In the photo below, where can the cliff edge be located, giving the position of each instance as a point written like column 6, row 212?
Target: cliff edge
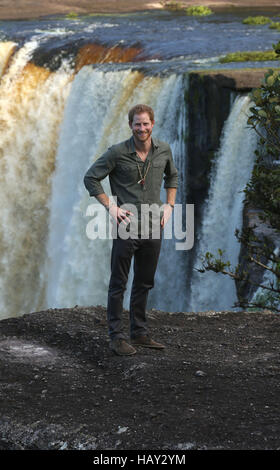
column 216, row 386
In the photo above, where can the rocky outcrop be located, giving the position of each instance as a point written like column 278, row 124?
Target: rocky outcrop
column 251, row 219
column 209, row 100
column 81, row 53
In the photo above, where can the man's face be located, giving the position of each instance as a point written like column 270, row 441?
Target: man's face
column 142, row 127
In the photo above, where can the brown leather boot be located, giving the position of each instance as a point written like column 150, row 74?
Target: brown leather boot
column 121, row 347
column 146, row 342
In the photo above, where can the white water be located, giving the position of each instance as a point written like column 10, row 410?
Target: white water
column 31, row 106
column 170, row 291
column 6, row 50
column 95, row 118
column 223, row 210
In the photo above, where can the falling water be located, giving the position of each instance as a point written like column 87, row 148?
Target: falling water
column 223, row 210
column 6, row 50
column 53, row 126
column 31, row 107
column 95, row 118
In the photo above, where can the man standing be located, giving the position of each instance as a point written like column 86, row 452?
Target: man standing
column 136, row 168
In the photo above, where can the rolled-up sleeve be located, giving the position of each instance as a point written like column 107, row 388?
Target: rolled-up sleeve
column 171, row 173
column 98, row 171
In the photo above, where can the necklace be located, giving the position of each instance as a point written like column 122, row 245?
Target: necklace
column 143, row 177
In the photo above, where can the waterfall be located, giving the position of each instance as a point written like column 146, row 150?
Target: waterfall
column 95, row 118
column 31, row 106
column 53, row 126
column 170, row 291
column 223, row 210
column 6, row 51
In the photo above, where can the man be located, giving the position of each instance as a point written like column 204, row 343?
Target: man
column 136, row 168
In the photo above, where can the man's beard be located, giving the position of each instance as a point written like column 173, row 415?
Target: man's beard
column 143, row 137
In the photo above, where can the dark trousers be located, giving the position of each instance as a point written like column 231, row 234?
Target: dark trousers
column 146, row 254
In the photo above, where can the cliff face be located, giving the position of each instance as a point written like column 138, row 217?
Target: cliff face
column 209, row 98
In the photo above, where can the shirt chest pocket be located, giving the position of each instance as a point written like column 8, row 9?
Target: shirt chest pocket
column 127, row 172
column 158, row 169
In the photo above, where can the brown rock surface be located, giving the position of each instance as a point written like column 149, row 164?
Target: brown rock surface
column 236, row 79
column 24, row 9
column 19, row 9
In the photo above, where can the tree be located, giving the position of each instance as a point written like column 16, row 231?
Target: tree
column 263, row 193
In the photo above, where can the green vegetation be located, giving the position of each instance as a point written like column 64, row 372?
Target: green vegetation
column 198, row 11
column 191, row 11
column 72, row 15
column 261, row 20
column 275, row 25
column 249, row 56
column 257, row 20
column 263, row 193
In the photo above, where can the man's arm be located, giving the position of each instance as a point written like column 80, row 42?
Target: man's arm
column 171, row 172
column 97, row 172
column 104, row 200
column 170, row 201
column 171, row 195
column 118, row 214
column 170, row 184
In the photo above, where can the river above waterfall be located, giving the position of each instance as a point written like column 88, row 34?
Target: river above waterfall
column 158, row 36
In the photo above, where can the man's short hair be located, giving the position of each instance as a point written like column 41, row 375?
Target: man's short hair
column 139, row 109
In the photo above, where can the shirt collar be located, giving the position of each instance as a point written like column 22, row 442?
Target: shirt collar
column 131, row 145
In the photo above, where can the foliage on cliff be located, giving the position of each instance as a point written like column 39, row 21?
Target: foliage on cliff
column 263, row 193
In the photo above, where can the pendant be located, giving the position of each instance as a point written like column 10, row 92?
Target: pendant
column 142, row 181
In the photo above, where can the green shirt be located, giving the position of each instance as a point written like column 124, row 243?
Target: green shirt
column 125, row 168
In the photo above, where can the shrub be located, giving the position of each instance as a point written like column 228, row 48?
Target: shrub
column 275, row 25
column 198, row 11
column 191, row 11
column 72, row 15
column 249, row 56
column 257, row 20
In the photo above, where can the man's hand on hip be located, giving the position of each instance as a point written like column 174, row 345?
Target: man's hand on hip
column 120, row 215
column 167, row 211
